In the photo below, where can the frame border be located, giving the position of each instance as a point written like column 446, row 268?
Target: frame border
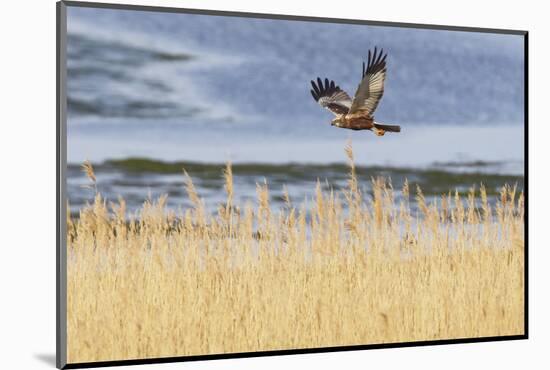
column 287, row 17
column 61, row 196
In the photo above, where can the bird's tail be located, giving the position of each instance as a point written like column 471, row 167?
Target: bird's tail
column 388, row 128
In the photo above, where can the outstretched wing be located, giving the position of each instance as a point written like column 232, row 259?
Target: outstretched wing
column 331, row 96
column 371, row 88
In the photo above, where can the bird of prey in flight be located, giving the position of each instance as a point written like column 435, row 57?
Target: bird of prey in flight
column 357, row 113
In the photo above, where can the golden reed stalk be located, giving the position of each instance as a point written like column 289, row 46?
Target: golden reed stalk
column 266, row 279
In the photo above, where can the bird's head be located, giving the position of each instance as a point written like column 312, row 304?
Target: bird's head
column 335, row 122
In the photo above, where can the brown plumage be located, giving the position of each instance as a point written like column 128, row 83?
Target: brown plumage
column 357, row 114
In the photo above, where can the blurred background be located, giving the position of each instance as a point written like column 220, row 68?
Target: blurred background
column 151, row 93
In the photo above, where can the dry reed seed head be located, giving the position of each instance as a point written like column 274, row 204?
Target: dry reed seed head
column 512, row 193
column 376, row 190
column 459, row 209
column 482, row 190
column 333, row 202
column 161, row 201
column 263, row 195
column 377, row 201
column 319, row 193
column 388, row 190
column 228, row 177
column 504, row 195
column 114, row 209
column 472, row 192
column 353, row 195
column 264, row 210
column 471, row 215
column 286, row 197
column 458, row 200
column 444, row 208
column 99, row 202
column 521, row 200
column 191, row 191
column 349, row 151
column 421, row 200
column 88, row 169
column 351, row 163
column 406, row 189
column 248, row 214
column 521, row 205
column 121, row 208
column 291, row 219
column 484, row 200
column 302, row 216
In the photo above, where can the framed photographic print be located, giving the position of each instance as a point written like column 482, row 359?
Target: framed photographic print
column 235, row 184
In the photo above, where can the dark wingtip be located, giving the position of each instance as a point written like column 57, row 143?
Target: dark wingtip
column 383, row 60
column 380, row 55
column 315, row 89
column 323, row 88
column 314, row 96
column 368, row 60
column 376, row 59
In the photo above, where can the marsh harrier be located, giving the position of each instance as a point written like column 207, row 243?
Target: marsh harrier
column 357, row 113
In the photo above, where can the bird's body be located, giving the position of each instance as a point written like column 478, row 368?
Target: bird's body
column 356, row 114
column 353, row 121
